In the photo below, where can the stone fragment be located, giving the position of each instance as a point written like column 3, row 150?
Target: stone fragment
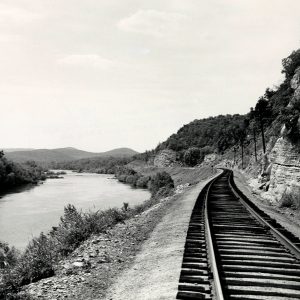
column 78, row 264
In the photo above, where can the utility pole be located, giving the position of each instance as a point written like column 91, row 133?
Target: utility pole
column 261, row 109
column 242, row 146
column 254, row 139
column 262, row 133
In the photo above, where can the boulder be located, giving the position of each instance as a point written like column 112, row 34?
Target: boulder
column 209, row 158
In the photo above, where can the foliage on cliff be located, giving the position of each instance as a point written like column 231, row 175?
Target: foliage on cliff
column 13, row 174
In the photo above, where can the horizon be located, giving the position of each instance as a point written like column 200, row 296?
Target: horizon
column 106, row 75
column 11, row 149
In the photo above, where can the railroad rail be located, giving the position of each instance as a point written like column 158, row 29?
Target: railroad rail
column 234, row 250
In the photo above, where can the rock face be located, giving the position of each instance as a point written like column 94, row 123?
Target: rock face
column 295, row 82
column 286, row 163
column 209, row 158
column 165, row 158
column 285, row 157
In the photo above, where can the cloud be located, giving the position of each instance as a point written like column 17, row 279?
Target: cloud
column 152, row 22
column 14, row 14
column 87, row 60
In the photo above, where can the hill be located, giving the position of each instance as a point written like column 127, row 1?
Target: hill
column 64, row 154
column 6, row 150
column 245, row 137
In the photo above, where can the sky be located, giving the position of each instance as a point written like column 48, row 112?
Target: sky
column 103, row 74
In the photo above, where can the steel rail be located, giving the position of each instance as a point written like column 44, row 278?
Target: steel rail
column 280, row 237
column 210, row 247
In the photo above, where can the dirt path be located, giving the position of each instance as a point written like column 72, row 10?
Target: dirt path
column 156, row 269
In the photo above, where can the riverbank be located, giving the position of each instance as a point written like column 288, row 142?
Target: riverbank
column 26, row 213
column 95, row 265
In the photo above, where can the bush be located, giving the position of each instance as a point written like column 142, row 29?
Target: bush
column 143, row 182
column 43, row 252
column 132, row 179
column 35, row 263
column 71, row 230
column 8, row 256
column 291, row 198
column 161, row 180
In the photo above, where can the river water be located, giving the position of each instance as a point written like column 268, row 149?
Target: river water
column 31, row 210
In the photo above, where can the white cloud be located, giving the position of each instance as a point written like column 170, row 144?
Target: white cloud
column 152, row 22
column 87, row 60
column 9, row 13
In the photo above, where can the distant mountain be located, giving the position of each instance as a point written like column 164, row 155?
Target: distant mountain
column 16, row 149
column 63, row 154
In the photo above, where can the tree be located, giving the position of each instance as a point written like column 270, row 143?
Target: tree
column 240, row 136
column 192, row 156
column 261, row 111
column 253, row 127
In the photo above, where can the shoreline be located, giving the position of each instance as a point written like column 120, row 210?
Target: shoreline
column 101, row 258
column 42, row 193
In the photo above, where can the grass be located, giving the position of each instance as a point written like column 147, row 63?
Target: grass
column 43, row 253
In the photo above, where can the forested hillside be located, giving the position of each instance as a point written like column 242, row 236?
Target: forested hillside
column 103, row 165
column 275, row 109
column 13, row 175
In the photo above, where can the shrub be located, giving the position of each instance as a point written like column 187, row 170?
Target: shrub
column 71, row 230
column 35, row 263
column 161, row 180
column 143, row 182
column 132, row 179
column 8, row 256
column 122, row 178
column 291, row 198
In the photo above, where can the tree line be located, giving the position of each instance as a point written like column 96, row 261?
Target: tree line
column 14, row 175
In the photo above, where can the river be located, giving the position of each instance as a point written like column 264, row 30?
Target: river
column 30, row 210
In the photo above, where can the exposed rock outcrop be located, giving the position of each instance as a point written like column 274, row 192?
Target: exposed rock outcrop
column 286, row 163
column 165, row 158
column 210, row 158
column 285, row 156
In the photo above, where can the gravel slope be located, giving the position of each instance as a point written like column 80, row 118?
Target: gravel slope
column 156, row 269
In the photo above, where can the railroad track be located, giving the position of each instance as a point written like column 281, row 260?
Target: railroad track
column 234, row 250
